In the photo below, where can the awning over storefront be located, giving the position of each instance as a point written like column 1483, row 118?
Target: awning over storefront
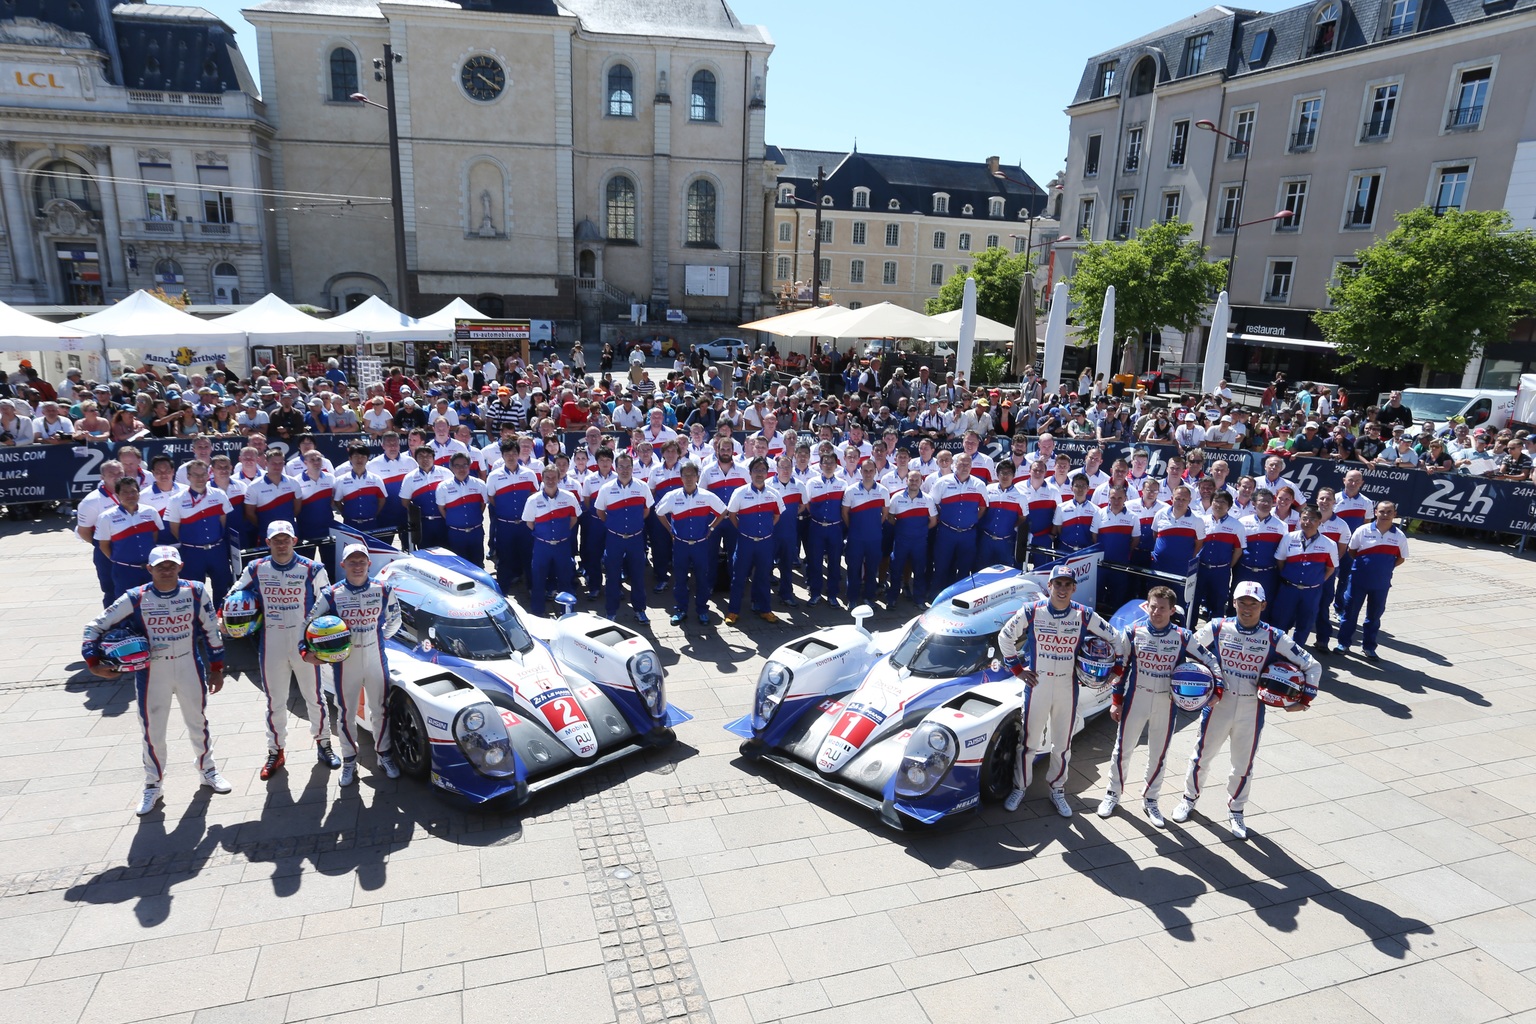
column 1273, row 341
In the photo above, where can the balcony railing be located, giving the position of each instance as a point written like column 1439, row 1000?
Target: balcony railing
column 1273, row 296
column 1465, row 117
column 218, row 229
column 193, row 99
column 1236, row 148
column 1360, row 217
column 1091, row 170
column 1375, row 131
column 1303, row 139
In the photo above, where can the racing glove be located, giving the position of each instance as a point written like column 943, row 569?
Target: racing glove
column 1015, row 665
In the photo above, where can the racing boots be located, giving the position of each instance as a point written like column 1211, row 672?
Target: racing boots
column 1238, row 826
column 348, row 772
column 1182, row 812
column 326, row 756
column 1107, row 806
column 1154, row 814
column 216, row 782
column 388, row 767
column 275, row 760
column 1059, row 801
column 1014, row 800
column 149, row 801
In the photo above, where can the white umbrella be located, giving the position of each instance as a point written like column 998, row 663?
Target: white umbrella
column 800, row 323
column 1055, row 337
column 1216, row 346
column 885, row 320
column 987, row 329
column 965, row 348
column 1106, row 335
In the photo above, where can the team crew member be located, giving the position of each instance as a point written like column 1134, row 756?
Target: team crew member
column 665, row 476
column 358, row 492
column 721, row 478
column 88, row 514
column 623, row 504
column 1076, row 521
column 510, row 485
column 1143, row 699
column 1225, row 539
column 1377, row 549
column 236, row 528
column 1040, row 499
column 1307, row 560
column 982, row 467
column 372, row 614
column 285, row 586
column 824, row 540
column 961, row 500
column 392, row 467
column 271, row 498
column 419, row 491
column 1337, row 530
column 197, row 518
column 1040, row 644
column 1119, row 533
column 317, row 490
column 1179, row 535
column 754, row 511
column 1356, row 510
column 463, row 500
column 1244, row 647
column 1263, row 533
column 125, row 533
column 297, row 464
column 691, row 514
column 999, row 540
column 1145, row 507
column 186, row 658
column 594, row 532
column 914, row 514
column 443, row 444
column 551, row 517
column 162, row 490
column 863, row 513
column 786, row 531
column 202, row 451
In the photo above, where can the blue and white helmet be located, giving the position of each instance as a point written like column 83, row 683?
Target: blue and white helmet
column 1193, row 686
column 125, row 650
column 1095, row 663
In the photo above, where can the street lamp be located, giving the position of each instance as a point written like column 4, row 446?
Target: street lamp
column 1242, row 194
column 384, row 71
column 1000, row 176
column 817, row 184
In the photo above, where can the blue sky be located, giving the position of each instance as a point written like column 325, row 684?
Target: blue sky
column 959, row 80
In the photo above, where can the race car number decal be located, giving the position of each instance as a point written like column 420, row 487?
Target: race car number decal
column 565, row 717
column 848, row 735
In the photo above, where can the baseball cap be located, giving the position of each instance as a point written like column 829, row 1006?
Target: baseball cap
column 1310, row 426
column 164, row 553
column 1189, row 417
column 354, row 548
column 1061, row 572
column 283, row 527
column 1248, row 588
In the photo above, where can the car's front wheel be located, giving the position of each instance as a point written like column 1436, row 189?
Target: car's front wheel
column 410, row 743
column 997, row 766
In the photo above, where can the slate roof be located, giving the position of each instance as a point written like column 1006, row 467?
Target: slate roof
column 681, row 19
column 909, row 179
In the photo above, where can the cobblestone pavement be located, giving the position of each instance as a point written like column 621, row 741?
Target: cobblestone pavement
column 1391, row 875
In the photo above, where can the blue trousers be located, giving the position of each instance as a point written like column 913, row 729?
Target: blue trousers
column 995, row 551
column 1213, row 584
column 103, row 566
column 624, row 557
column 695, row 560
column 1294, row 609
column 434, row 532
column 511, row 547
column 1374, row 601
column 211, row 564
column 594, row 544
column 659, row 538
column 468, row 544
column 549, row 561
column 824, row 551
column 786, row 550
column 1341, row 581
column 954, row 555
column 752, row 558
column 862, row 553
column 126, row 577
column 1324, row 624
column 1118, row 589
column 911, row 550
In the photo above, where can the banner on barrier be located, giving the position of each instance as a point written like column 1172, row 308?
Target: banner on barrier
column 1504, row 506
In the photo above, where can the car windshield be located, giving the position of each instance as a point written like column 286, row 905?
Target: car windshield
column 493, row 635
column 939, row 654
column 1438, row 408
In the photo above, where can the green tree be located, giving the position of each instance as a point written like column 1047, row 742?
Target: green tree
column 1432, row 292
column 1161, row 279
column 997, row 273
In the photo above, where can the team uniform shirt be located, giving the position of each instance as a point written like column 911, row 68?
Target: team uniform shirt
column 1264, row 536
column 131, row 534
column 624, row 505
column 983, row 468
column 642, row 470
column 1078, row 522
column 1096, row 479
column 1244, row 653
column 1145, row 515
column 553, row 519
column 866, row 508
column 160, row 501
column 1175, row 540
column 592, row 483
column 722, row 482
column 1116, row 530
column 271, row 502
column 1154, row 654
column 487, row 458
column 929, row 469
column 1354, row 511
column 392, row 471
column 911, row 513
column 664, row 479
column 1047, row 641
column 1222, row 537
column 1040, row 505
column 315, row 496
column 1375, row 555
column 510, row 487
column 1243, row 509
column 361, row 497
column 285, row 592
column 463, row 504
column 1338, row 531
column 444, row 451
column 1005, row 507
column 660, row 437
column 1305, row 561
column 197, row 515
column 1101, row 494
column 295, row 466
column 420, row 489
column 824, row 497
column 178, row 624
column 792, row 496
column 961, row 502
column 1279, row 482
column 755, row 510
column 690, row 514
column 88, row 512
column 775, row 443
column 700, row 455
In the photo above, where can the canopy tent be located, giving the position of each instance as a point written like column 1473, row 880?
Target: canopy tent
column 886, row 320
column 144, row 323
column 378, row 321
column 458, row 309
column 271, row 321
column 800, row 323
column 23, row 332
column 986, row 329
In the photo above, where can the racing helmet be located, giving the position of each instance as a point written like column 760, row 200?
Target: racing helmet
column 1282, row 684
column 125, row 650
column 328, row 638
column 242, row 613
column 1095, row 663
column 1192, row 686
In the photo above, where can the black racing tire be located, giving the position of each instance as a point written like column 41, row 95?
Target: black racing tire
column 997, row 766
column 410, row 744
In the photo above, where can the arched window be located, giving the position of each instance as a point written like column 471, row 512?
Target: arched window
column 226, row 284
column 1143, row 77
column 168, row 271
column 701, row 213
column 491, row 305
column 343, row 75
column 995, row 206
column 1325, row 32
column 621, row 91
column 701, row 98
column 620, row 205
column 786, row 194
column 61, row 179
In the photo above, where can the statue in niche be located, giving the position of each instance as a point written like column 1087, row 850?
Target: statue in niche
column 487, row 225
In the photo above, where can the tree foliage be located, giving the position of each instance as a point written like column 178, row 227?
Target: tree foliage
column 997, row 273
column 1161, row 279
column 1433, row 291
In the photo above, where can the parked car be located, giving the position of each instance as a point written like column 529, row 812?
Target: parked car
column 724, row 349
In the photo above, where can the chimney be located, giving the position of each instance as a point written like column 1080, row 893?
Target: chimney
column 993, row 163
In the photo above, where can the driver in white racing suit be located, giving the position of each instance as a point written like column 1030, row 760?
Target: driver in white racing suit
column 1040, row 644
column 1244, row 647
column 372, row 614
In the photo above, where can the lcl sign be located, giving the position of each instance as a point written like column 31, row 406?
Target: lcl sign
column 37, row 80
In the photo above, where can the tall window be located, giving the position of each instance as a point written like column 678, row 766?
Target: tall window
column 1020, row 243
column 826, row 232
column 940, row 239
column 1242, row 132
column 343, row 75
column 996, row 206
column 1105, row 83
column 786, row 194
column 1194, row 53
column 63, row 180
column 782, row 269
column 621, row 91
column 1279, row 284
column 620, row 204
column 1091, row 160
column 701, row 213
column 1171, row 201
column 992, row 241
column 1124, row 213
column 1404, row 16
column 1451, row 193
column 940, row 203
column 1231, row 210
column 159, row 192
column 855, row 271
column 1178, row 144
column 1295, row 201
column 893, row 234
column 825, row 265
column 701, row 97
column 1383, row 109
column 1308, row 114
column 861, row 199
column 1085, row 218
column 860, row 232
column 1471, row 95
column 1364, row 191
column 1325, row 29
column 936, row 274
column 786, row 232
column 1133, row 150
column 964, row 242
column 888, row 274
column 218, row 202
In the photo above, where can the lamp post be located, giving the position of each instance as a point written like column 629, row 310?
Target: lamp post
column 817, row 184
column 1242, row 194
column 384, row 71
column 992, row 165
column 1050, row 271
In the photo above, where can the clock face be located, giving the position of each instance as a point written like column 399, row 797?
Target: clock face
column 482, row 78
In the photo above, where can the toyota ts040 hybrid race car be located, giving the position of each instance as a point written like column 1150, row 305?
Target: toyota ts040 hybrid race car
column 487, row 701
column 917, row 722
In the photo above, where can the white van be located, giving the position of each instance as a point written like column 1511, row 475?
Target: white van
column 1476, row 406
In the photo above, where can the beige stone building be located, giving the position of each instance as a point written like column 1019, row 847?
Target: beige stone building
column 1344, row 112
column 557, row 159
column 135, row 153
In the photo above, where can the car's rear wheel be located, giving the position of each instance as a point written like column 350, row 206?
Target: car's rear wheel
column 997, row 766
column 410, row 744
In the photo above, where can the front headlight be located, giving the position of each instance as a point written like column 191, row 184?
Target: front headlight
column 772, row 684
column 483, row 738
column 645, row 673
column 929, row 755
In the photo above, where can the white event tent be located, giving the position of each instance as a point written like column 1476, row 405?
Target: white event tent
column 144, row 323
column 378, row 321
column 271, row 321
column 30, row 337
column 444, row 318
